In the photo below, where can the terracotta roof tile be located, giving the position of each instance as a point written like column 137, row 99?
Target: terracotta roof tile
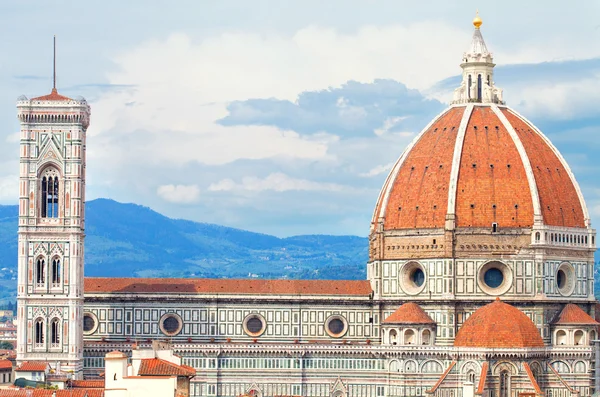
column 558, row 197
column 532, row 379
column 33, row 366
column 156, row 366
column 53, row 96
column 5, row 364
column 491, row 178
column 482, row 378
column 89, row 384
column 409, row 313
column 49, row 393
column 498, row 325
column 573, row 314
column 227, row 286
column 426, row 170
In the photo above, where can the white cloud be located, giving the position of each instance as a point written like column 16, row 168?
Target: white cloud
column 277, row 182
column 388, row 124
column 380, row 169
column 180, row 194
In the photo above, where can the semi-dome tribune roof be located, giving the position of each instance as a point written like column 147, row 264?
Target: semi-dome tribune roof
column 409, row 313
column 498, row 325
column 478, row 163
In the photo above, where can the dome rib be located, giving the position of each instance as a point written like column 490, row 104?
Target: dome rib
column 456, row 159
column 384, row 195
column 573, row 182
column 498, row 325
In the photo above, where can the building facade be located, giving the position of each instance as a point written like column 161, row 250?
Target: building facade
column 480, row 277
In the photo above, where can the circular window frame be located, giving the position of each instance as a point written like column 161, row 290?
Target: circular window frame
column 167, row 316
column 406, row 282
column 570, row 281
column 96, row 323
column 248, row 318
column 336, row 317
column 506, row 274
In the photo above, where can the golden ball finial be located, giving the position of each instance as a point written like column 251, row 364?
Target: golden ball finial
column 477, row 21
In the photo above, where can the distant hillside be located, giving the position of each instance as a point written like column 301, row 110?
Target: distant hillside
column 131, row 240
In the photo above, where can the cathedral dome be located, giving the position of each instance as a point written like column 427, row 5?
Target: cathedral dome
column 498, row 325
column 480, row 163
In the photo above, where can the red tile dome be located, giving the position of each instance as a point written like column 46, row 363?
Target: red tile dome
column 480, row 164
column 498, row 325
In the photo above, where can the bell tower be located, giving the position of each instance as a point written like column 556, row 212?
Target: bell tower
column 51, row 229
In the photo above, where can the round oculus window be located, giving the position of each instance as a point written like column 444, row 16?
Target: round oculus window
column 254, row 325
column 336, row 326
column 90, row 323
column 565, row 279
column 494, row 278
column 412, row 278
column 170, row 324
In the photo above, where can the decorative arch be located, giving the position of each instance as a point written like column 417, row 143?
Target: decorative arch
column 410, row 366
column 470, row 366
column 56, row 270
column 426, row 337
column 560, row 337
column 431, row 367
column 394, row 366
column 579, row 337
column 410, row 337
column 505, row 366
column 561, row 367
column 580, row 367
column 40, row 270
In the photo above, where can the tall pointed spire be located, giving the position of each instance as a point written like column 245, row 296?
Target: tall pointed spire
column 54, row 67
column 478, row 71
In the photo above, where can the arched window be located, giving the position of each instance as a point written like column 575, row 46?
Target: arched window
column 578, row 337
column 55, row 332
column 39, row 331
column 537, row 236
column 40, row 271
column 50, row 189
column 479, row 87
column 56, row 271
column 469, row 88
column 471, row 377
column 426, row 337
column 561, row 337
column 409, row 337
column 393, row 337
column 504, row 384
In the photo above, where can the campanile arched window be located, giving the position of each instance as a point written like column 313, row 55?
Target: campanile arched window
column 55, row 332
column 50, row 193
column 40, row 271
column 39, row 331
column 56, row 271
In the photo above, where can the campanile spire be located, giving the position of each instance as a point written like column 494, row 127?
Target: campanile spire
column 478, row 72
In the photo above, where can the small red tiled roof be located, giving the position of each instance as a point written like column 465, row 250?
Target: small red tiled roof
column 532, row 379
column 5, row 364
column 156, row 366
column 573, row 314
column 33, row 366
column 226, row 286
column 498, row 325
column 482, row 378
column 409, row 313
column 53, row 96
column 89, row 384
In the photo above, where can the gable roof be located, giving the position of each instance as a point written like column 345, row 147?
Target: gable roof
column 409, row 313
column 157, row 366
column 5, row 364
column 33, row 366
column 573, row 314
column 107, row 285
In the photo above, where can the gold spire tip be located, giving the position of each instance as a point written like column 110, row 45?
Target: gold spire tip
column 477, row 21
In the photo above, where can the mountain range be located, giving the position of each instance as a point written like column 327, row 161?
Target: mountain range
column 129, row 240
column 135, row 241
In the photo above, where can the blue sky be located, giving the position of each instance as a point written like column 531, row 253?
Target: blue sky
column 284, row 117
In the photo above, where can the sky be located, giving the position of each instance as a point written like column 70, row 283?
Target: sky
column 284, row 117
